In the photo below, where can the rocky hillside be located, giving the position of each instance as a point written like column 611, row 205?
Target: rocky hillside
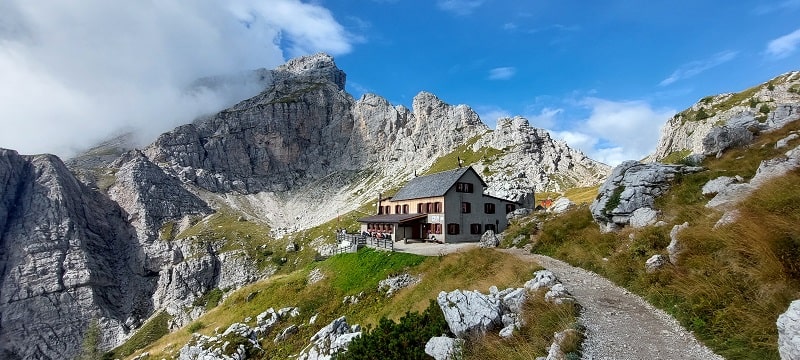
column 716, row 123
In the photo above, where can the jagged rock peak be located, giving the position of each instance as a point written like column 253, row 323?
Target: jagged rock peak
column 319, row 65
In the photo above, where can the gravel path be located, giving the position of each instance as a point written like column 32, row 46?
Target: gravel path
column 619, row 324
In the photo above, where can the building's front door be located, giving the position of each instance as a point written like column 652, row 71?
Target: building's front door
column 415, row 232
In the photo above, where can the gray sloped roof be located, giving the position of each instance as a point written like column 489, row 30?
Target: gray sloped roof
column 430, row 185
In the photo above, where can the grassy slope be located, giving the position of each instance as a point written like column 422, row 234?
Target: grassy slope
column 733, row 282
column 351, row 274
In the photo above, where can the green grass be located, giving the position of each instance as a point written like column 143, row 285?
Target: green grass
column 676, row 157
column 366, row 268
column 146, row 335
column 468, row 157
column 732, row 282
column 475, row 269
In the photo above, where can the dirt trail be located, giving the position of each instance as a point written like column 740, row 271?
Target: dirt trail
column 619, row 324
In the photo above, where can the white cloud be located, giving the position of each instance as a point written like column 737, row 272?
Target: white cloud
column 616, row 130
column 545, row 118
column 502, row 73
column 73, row 74
column 490, row 114
column 785, row 45
column 694, row 68
column 459, row 7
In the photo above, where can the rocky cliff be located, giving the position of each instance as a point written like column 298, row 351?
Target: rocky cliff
column 67, row 255
column 716, row 123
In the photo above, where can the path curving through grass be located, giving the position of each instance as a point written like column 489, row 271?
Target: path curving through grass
column 620, row 325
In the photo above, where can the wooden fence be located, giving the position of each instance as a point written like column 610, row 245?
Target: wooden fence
column 357, row 241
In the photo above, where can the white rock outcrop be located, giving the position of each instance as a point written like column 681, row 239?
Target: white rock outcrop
column 561, row 205
column 393, row 283
column 675, row 248
column 469, row 312
column 656, row 262
column 331, row 338
column 789, row 332
column 444, row 348
column 489, row 240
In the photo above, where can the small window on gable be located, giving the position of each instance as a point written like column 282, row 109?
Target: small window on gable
column 463, row 187
column 452, row 229
column 466, row 207
column 475, row 229
column 488, row 208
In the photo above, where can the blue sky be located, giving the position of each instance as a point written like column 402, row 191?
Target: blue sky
column 604, row 76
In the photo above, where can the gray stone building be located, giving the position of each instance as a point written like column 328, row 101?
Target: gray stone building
column 449, row 206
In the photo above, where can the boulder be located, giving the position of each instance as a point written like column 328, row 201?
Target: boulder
column 656, row 262
column 632, row 186
column 674, row 249
column 556, row 351
column 789, row 332
column 541, row 279
column 642, row 217
column 334, row 337
column 392, row 284
column 558, row 294
column 515, row 299
column 266, row 321
column 444, row 348
column 737, row 132
column 782, row 143
column 518, row 213
column 469, row 312
column 728, row 197
column 561, row 205
column 292, row 247
column 489, row 240
column 314, row 276
column 714, row 186
column 289, row 331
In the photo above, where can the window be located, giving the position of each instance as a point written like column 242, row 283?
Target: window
column 398, row 209
column 429, row 207
column 380, row 210
column 466, row 207
column 475, row 229
column 452, row 229
column 488, row 208
column 437, row 207
column 436, row 228
column 510, row 208
column 421, row 208
column 490, row 227
column 405, row 209
column 463, row 187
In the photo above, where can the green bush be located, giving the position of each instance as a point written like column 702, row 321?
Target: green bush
column 195, row 326
column 210, row 299
column 403, row 340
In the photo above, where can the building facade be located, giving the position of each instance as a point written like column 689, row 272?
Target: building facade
column 449, row 206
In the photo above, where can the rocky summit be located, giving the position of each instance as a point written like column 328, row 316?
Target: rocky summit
column 120, row 235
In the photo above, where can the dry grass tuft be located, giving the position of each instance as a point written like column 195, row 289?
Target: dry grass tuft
column 542, row 320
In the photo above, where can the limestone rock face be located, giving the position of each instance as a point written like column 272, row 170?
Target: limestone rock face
column 68, row 256
column 150, row 197
column 719, row 122
column 789, row 332
column 489, row 240
column 535, row 158
column 630, row 187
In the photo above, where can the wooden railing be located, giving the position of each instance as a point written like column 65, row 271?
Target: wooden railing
column 357, row 241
